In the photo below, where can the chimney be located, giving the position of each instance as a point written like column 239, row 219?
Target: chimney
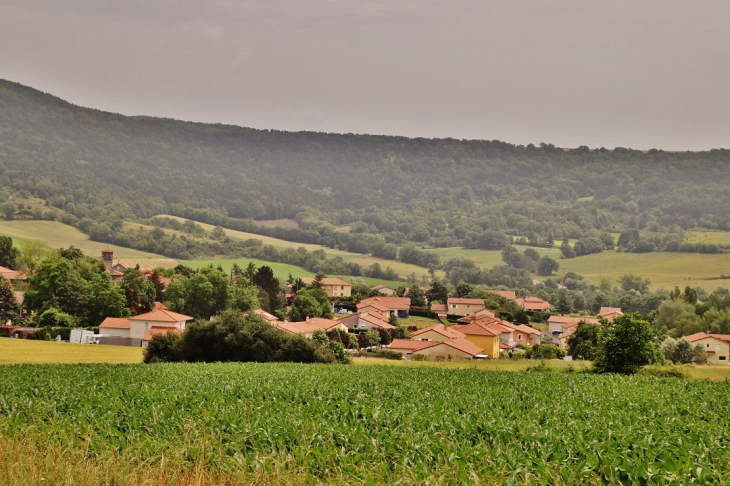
column 307, row 318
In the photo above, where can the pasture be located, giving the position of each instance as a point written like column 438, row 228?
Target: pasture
column 664, row 269
column 244, row 423
column 58, row 235
column 267, row 240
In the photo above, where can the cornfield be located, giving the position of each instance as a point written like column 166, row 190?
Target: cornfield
column 309, row 424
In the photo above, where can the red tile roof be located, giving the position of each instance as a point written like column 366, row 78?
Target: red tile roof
column 379, row 321
column 610, row 310
column 444, row 331
column 533, row 303
column 411, row 345
column 439, row 308
column 703, row 335
column 115, row 323
column 160, row 330
column 309, row 326
column 475, row 329
column 462, row 301
column 507, row 294
column 12, row 274
column 528, row 330
column 391, row 303
column 265, row 315
column 464, row 346
column 160, row 306
column 571, row 321
column 162, row 315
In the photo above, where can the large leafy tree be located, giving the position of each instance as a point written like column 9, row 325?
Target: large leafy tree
column 310, row 302
column 138, row 290
column 8, row 253
column 583, row 343
column 627, row 344
column 270, row 296
column 9, row 308
column 437, row 292
column 76, row 285
column 418, row 298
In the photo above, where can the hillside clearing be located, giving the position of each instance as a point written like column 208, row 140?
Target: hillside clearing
column 58, row 235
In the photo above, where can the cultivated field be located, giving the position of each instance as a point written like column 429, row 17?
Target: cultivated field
column 16, row 351
column 273, row 223
column 58, row 235
column 664, row 269
column 236, row 423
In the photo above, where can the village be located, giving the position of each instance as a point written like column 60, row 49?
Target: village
column 458, row 329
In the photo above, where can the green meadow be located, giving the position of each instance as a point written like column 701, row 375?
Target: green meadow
column 58, row 235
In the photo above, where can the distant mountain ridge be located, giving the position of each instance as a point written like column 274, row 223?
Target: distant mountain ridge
column 105, row 167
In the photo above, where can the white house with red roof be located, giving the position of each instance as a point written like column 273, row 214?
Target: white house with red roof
column 365, row 321
column 716, row 345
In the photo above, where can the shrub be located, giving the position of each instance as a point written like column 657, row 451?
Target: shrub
column 544, row 351
column 418, row 357
column 663, row 371
column 55, row 318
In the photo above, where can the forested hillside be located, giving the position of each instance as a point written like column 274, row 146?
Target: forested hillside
column 100, row 169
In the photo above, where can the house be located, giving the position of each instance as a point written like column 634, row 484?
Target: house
column 335, row 287
column 610, row 313
column 464, row 307
column 154, row 330
column 270, row 318
column 560, row 324
column 308, row 327
column 116, row 270
column 507, row 294
column 137, row 328
column 440, row 309
column 437, row 332
column 385, row 290
column 716, row 345
column 399, row 306
column 365, row 321
column 12, row 275
column 533, row 304
column 433, row 350
column 481, row 335
column 478, row 314
column 116, row 327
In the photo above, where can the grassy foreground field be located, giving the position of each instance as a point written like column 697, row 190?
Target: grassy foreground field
column 15, row 351
column 307, row 424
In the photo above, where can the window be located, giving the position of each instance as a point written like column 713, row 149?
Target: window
column 342, row 287
column 717, row 347
column 519, row 337
column 708, row 345
column 453, row 306
column 723, row 358
column 341, row 294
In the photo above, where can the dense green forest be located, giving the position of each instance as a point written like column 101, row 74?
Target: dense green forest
column 102, row 169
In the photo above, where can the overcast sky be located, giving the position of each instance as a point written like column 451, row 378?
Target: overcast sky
column 631, row 73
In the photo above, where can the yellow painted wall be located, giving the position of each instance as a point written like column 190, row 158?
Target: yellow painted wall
column 338, row 290
column 442, row 350
column 489, row 343
column 463, row 309
column 429, row 336
column 711, row 344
